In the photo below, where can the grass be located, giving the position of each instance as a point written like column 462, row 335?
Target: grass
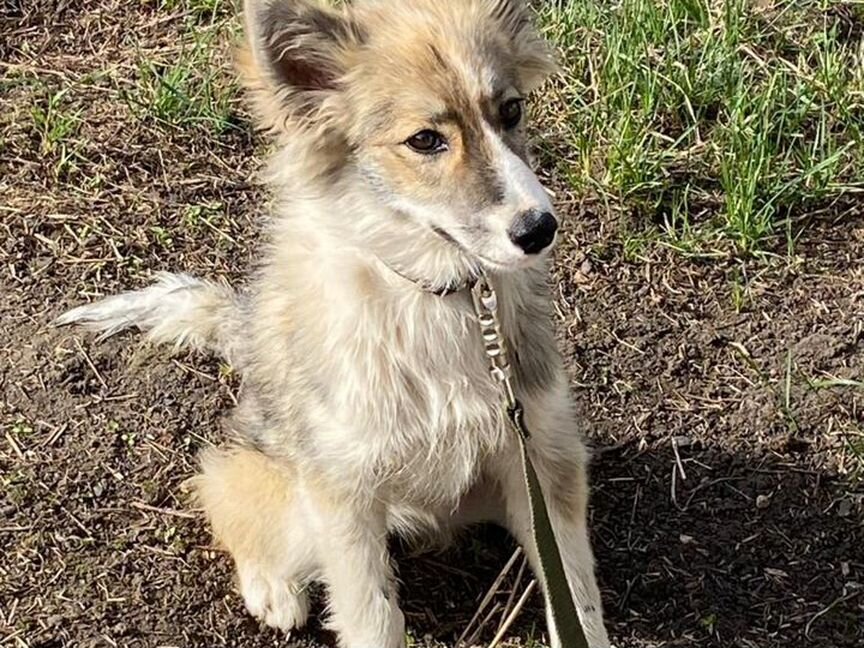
column 789, row 391
column 853, row 437
column 56, row 126
column 717, row 124
column 198, row 9
column 181, row 87
column 855, row 450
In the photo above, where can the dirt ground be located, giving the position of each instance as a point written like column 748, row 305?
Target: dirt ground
column 727, row 503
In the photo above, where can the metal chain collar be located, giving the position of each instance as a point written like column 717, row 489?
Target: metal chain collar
column 486, row 307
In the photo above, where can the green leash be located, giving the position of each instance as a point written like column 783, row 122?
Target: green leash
column 557, row 590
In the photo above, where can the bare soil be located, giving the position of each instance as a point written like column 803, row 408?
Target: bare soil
column 727, row 504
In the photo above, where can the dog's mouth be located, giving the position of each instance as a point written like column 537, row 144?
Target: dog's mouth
column 444, row 234
column 500, row 266
column 516, row 261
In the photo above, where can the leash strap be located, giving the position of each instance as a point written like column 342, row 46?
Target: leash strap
column 564, row 613
column 560, row 600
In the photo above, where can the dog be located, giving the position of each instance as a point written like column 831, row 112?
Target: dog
column 400, row 172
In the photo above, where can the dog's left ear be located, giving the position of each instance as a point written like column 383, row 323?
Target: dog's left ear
column 535, row 57
column 298, row 52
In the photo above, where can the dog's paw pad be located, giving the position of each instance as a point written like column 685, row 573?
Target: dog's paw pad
column 279, row 603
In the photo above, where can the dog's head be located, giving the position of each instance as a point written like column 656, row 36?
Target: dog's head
column 424, row 99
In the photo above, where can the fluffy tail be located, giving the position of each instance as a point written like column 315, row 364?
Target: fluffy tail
column 177, row 309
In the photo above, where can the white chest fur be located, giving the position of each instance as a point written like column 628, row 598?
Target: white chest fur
column 413, row 408
column 382, row 386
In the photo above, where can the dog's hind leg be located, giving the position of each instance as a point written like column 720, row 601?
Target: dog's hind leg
column 252, row 504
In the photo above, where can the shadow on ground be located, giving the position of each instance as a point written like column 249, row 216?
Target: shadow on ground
column 732, row 551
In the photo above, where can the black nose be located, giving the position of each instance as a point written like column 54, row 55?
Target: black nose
column 533, row 231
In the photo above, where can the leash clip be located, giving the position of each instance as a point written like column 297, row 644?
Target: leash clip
column 516, row 415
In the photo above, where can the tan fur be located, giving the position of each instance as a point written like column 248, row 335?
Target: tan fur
column 367, row 405
column 249, row 500
column 246, row 495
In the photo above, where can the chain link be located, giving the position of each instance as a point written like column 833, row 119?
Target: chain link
column 495, row 346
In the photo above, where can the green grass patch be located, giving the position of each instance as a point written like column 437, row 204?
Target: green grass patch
column 56, row 126
column 187, row 87
column 718, row 123
column 855, row 451
column 198, row 9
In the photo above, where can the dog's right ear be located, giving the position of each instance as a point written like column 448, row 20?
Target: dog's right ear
column 297, row 55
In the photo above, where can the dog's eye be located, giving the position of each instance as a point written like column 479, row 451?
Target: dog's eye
column 427, row 141
column 511, row 113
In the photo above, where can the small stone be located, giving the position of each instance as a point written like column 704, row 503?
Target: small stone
column 686, row 539
column 844, row 508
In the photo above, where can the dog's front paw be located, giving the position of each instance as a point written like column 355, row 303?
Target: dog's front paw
column 279, row 603
column 374, row 629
